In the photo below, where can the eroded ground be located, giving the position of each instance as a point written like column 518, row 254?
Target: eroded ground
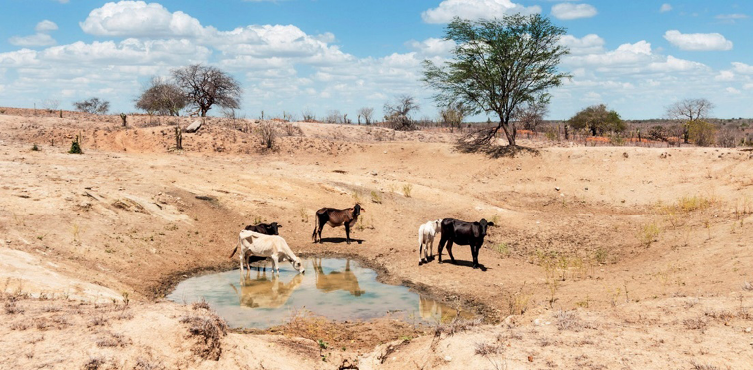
column 603, row 257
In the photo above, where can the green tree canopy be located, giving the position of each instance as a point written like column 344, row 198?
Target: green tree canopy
column 498, row 65
column 598, row 120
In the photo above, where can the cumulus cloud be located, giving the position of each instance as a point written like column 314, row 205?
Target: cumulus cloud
column 698, row 41
column 139, row 19
column 39, row 39
column 733, row 90
column 432, row 46
column 665, row 8
column 589, row 44
column 742, row 68
column 46, row 26
column 567, row 11
column 731, row 17
column 474, row 9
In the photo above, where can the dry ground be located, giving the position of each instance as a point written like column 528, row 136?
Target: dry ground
column 608, row 257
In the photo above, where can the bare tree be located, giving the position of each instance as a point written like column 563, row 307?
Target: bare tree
column 93, row 105
column 367, row 113
column 689, row 110
column 162, row 97
column 206, row 86
column 333, row 116
column 398, row 114
column 532, row 113
column 308, row 115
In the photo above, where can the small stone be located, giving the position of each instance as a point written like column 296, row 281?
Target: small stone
column 586, row 188
column 447, row 358
column 385, row 152
column 537, row 322
column 748, row 330
column 557, row 188
column 530, row 358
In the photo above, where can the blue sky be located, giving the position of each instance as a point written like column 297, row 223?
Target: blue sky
column 293, row 55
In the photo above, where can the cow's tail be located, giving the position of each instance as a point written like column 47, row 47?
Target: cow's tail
column 236, row 248
column 316, row 224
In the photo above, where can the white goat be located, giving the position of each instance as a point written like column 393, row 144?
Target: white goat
column 426, row 234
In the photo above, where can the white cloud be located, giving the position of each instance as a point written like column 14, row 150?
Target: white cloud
column 665, row 8
column 46, row 26
column 567, row 11
column 698, row 41
column 733, row 90
column 39, row 39
column 742, row 68
column 62, row 1
column 731, row 18
column 748, row 86
column 432, row 46
column 474, row 9
column 725, row 76
column 139, row 19
column 588, row 44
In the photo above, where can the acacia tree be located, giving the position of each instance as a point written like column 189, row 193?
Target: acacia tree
column 398, row 114
column 689, row 110
column 93, row 105
column 498, row 65
column 163, row 97
column 206, row 86
column 597, row 119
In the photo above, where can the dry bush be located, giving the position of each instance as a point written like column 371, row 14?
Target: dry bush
column 486, row 349
column 110, row 339
column 722, row 315
column 201, row 305
column 695, row 324
column 209, row 329
column 12, row 308
column 747, row 286
column 699, row 366
column 145, row 364
column 19, row 325
column 457, row 325
column 268, row 135
column 568, row 320
column 94, row 363
column 99, row 320
column 292, row 130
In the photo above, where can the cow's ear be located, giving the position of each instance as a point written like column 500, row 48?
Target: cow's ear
column 279, row 226
column 490, row 224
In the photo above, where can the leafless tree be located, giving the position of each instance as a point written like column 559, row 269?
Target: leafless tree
column 162, row 97
column 333, row 116
column 308, row 115
column 532, row 113
column 206, row 86
column 398, row 113
column 367, row 113
column 689, row 110
column 93, row 105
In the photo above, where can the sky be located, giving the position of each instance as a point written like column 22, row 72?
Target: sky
column 291, row 56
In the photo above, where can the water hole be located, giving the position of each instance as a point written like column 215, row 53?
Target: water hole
column 338, row 289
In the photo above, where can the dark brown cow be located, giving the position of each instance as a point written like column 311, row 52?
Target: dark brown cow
column 334, row 218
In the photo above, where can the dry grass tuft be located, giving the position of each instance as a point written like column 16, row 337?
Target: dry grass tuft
column 568, row 320
column 209, row 329
column 144, row 364
column 12, row 308
column 94, row 363
column 200, row 305
column 486, row 349
column 698, row 323
column 456, row 326
column 110, row 339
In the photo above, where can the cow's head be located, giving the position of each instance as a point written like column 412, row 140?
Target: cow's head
column 357, row 210
column 272, row 229
column 298, row 265
column 479, row 229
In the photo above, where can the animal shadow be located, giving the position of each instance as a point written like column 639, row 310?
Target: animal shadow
column 340, row 240
column 465, row 263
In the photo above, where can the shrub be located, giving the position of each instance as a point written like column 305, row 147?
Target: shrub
column 75, row 147
column 268, row 135
column 93, row 105
column 649, row 233
column 35, row 148
column 407, row 188
column 701, row 133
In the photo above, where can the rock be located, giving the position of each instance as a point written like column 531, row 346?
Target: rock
column 557, row 188
column 373, row 173
column 624, row 154
column 194, row 126
column 748, row 330
column 447, row 358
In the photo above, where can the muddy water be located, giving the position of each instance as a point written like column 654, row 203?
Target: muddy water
column 335, row 288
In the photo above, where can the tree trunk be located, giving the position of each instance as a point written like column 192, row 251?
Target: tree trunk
column 510, row 138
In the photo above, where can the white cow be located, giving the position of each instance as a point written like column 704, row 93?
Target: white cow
column 426, row 234
column 271, row 246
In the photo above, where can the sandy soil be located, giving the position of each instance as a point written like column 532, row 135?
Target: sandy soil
column 607, row 257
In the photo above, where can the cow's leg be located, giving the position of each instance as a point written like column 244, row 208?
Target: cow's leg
column 322, row 222
column 442, row 242
column 276, row 264
column 347, row 233
column 431, row 250
column 474, row 252
column 449, row 250
column 420, row 249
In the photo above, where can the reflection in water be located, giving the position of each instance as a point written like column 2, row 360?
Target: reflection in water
column 337, row 280
column 264, row 293
column 339, row 290
column 431, row 310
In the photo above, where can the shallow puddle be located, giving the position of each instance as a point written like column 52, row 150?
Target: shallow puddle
column 338, row 289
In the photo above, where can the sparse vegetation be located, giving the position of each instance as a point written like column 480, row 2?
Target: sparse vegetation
column 268, row 135
column 93, row 106
column 75, row 147
column 407, row 189
column 648, row 234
